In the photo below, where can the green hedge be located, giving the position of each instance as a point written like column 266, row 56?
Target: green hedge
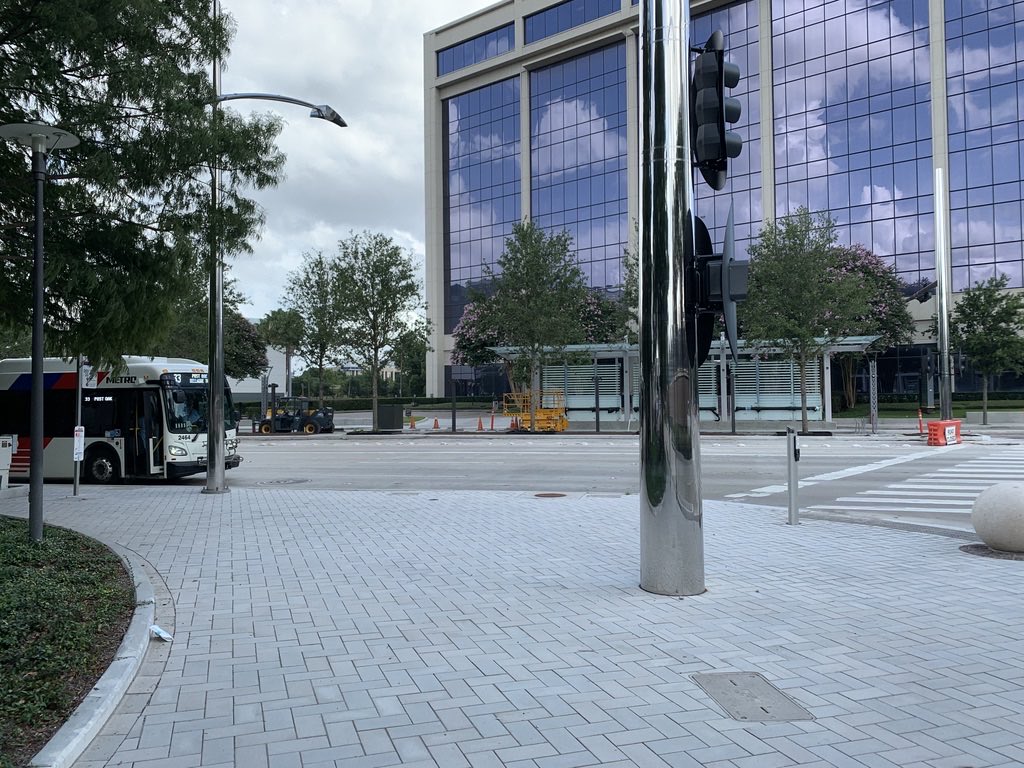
column 913, row 397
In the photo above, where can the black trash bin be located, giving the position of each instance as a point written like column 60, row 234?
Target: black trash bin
column 389, row 418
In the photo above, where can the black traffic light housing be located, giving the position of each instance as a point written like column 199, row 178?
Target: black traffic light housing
column 924, row 293
column 711, row 110
column 721, row 283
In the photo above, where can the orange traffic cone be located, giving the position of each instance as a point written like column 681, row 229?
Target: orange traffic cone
column 480, row 424
column 412, row 422
column 514, row 425
column 436, row 425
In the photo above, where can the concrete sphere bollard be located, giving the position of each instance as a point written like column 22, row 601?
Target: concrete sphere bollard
column 998, row 516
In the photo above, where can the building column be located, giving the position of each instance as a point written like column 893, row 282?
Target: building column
column 632, row 129
column 764, row 36
column 525, row 211
column 940, row 121
column 435, row 210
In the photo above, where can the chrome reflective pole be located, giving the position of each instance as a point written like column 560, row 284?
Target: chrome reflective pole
column 942, row 279
column 671, row 523
column 215, row 482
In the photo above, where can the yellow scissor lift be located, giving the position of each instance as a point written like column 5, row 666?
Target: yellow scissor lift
column 550, row 410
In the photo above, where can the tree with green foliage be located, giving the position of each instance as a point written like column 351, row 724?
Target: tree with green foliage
column 128, row 211
column 536, row 308
column 283, row 329
column 379, row 299
column 630, row 299
column 334, row 381
column 186, row 333
column 886, row 314
column 802, row 297
column 410, row 358
column 15, row 341
column 313, row 292
column 987, row 326
column 245, row 352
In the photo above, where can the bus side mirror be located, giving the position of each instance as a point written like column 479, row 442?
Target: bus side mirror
column 236, row 416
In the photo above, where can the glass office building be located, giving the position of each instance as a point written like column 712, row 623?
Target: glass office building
column 853, row 107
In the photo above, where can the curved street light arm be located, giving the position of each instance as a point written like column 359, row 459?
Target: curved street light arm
column 322, row 111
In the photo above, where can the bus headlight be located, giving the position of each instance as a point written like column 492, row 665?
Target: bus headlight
column 176, row 450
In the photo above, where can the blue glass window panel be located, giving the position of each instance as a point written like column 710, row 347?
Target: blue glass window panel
column 566, row 15
column 874, row 115
column 578, row 153
column 476, row 49
column 482, row 198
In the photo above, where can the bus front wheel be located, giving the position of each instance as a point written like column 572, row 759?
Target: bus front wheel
column 101, row 467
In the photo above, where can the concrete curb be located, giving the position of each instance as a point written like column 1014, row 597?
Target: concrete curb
column 68, row 744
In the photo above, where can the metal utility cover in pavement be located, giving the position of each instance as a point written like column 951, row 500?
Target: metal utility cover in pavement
column 748, row 696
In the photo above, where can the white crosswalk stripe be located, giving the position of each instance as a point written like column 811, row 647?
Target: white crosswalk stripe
column 946, row 492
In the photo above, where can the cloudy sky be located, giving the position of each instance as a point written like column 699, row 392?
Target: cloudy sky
column 365, row 59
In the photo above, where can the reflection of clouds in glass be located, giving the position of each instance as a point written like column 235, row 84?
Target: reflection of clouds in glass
column 601, row 143
column 578, row 157
column 482, row 197
column 982, row 226
column 878, row 194
column 489, row 140
column 868, row 71
column 985, row 158
column 853, row 120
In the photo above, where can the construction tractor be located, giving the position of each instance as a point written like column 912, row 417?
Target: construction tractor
column 296, row 414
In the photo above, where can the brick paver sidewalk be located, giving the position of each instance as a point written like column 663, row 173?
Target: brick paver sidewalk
column 485, row 629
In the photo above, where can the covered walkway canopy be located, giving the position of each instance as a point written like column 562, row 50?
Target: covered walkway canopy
column 764, row 389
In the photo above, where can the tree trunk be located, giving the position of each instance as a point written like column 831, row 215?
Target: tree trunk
column 802, row 366
column 849, row 366
column 984, row 399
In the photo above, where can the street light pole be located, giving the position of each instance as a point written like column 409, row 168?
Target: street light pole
column 215, row 482
column 42, row 139
column 215, row 417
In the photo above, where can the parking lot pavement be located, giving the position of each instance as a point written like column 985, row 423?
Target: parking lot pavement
column 316, row 628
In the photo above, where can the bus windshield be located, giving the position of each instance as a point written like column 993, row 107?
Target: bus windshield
column 187, row 407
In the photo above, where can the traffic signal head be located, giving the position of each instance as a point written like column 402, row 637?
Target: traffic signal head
column 722, row 282
column 711, row 111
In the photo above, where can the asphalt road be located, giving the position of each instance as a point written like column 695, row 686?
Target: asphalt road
column 875, row 478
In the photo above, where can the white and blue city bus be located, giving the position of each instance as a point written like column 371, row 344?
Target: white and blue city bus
column 144, row 420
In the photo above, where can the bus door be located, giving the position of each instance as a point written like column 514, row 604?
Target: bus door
column 144, row 446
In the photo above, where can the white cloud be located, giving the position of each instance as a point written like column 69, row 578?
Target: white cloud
column 365, row 60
